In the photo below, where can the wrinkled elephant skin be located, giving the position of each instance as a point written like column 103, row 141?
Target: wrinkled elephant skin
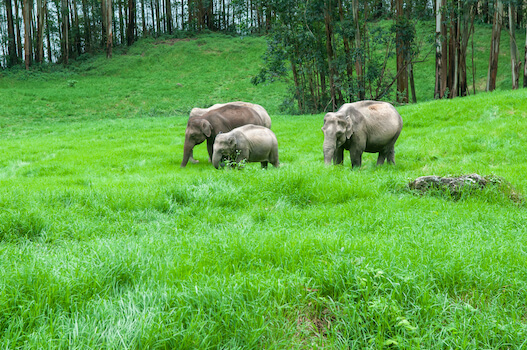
column 206, row 126
column 251, row 143
column 364, row 126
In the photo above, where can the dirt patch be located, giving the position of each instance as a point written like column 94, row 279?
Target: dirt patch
column 312, row 328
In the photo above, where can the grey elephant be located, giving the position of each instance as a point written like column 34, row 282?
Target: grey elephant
column 205, row 127
column 252, row 143
column 266, row 119
column 364, row 126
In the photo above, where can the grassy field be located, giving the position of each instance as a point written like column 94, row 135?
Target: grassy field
column 106, row 243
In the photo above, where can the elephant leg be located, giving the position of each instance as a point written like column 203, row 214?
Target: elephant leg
column 381, row 158
column 390, row 156
column 356, row 158
column 210, row 144
column 264, row 164
column 339, row 156
column 192, row 159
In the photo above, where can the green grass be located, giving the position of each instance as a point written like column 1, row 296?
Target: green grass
column 106, row 243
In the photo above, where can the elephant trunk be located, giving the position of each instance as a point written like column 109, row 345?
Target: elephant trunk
column 216, row 159
column 329, row 151
column 187, row 152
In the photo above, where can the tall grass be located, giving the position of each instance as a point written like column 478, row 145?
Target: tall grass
column 106, row 243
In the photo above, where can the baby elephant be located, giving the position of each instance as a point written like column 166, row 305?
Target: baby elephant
column 253, row 143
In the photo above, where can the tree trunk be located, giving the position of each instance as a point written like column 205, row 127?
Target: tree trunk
column 525, row 63
column 168, row 9
column 358, row 44
column 65, row 44
column 108, row 19
column 345, row 40
column 75, row 22
column 11, row 38
column 87, row 26
column 18, row 35
column 468, row 11
column 412, row 82
column 402, row 71
column 453, row 71
column 41, row 16
column 26, row 14
column 515, row 64
column 329, row 52
column 130, row 29
column 495, row 46
column 143, row 18
column 48, row 39
column 441, row 51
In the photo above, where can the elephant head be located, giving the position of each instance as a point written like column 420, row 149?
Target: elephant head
column 337, row 128
column 198, row 130
column 224, row 149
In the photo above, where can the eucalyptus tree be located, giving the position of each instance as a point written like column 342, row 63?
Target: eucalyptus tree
column 497, row 23
column 11, row 37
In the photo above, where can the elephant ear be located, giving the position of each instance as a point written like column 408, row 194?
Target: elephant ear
column 349, row 126
column 232, row 142
column 206, row 128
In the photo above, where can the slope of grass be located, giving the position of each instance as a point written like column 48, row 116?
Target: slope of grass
column 106, row 243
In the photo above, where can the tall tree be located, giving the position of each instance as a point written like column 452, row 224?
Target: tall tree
column 11, row 38
column 515, row 63
column 87, row 26
column 27, row 16
column 495, row 46
column 468, row 10
column 525, row 62
column 41, row 16
column 168, row 17
column 359, row 60
column 401, row 53
column 441, row 50
column 131, row 26
column 18, row 31
column 107, row 12
column 65, row 44
column 328, row 25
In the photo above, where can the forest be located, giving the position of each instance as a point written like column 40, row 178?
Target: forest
column 334, row 51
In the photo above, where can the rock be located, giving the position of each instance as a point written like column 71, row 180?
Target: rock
column 453, row 184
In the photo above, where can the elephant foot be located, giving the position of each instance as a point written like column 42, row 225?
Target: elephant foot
column 194, row 161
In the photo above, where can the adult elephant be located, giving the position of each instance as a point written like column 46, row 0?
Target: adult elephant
column 364, row 126
column 211, row 123
column 266, row 119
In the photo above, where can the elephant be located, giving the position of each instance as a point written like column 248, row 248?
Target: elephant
column 252, row 143
column 222, row 119
column 363, row 126
column 266, row 119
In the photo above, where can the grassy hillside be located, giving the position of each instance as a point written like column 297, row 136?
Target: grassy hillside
column 106, row 243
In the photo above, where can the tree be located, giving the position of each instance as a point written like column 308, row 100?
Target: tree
column 441, row 50
column 401, row 44
column 27, row 16
column 515, row 64
column 359, row 62
column 131, row 25
column 65, row 43
column 495, row 46
column 525, row 63
column 168, row 9
column 468, row 15
column 41, row 16
column 11, row 38
column 107, row 18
